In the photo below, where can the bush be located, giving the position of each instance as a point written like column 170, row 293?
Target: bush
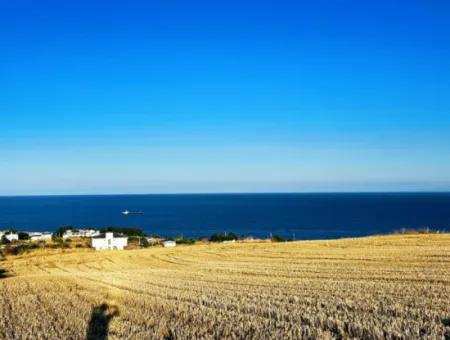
column 20, row 249
column 277, row 238
column 23, row 236
column 61, row 230
column 145, row 243
column 4, row 240
column 220, row 237
column 56, row 238
column 133, row 238
column 60, row 243
column 182, row 240
column 124, row 231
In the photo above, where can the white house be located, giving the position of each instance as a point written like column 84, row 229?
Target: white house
column 80, row 233
column 169, row 244
column 35, row 236
column 12, row 237
column 109, row 242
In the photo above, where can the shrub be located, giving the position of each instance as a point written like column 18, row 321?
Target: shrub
column 133, row 238
column 61, row 230
column 124, row 231
column 21, row 248
column 220, row 237
column 56, row 238
column 23, row 236
column 182, row 240
column 145, row 243
column 4, row 240
column 59, row 243
column 277, row 238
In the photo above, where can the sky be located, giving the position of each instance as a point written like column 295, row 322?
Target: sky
column 100, row 97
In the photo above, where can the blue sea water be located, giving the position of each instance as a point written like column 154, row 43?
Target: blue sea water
column 303, row 216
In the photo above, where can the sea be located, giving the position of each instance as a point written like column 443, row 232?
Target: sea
column 301, row 216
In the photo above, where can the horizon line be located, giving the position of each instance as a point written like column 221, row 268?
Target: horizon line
column 235, row 193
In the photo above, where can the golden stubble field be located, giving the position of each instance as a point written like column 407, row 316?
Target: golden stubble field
column 377, row 287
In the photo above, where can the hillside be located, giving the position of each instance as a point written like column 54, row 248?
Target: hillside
column 390, row 286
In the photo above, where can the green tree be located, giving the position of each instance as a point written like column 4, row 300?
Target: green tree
column 124, row 231
column 220, row 237
column 183, row 240
column 61, row 230
column 277, row 238
column 23, row 236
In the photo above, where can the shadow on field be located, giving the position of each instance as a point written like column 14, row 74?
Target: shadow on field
column 101, row 316
column 3, row 273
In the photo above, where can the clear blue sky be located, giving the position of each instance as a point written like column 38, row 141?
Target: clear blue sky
column 209, row 96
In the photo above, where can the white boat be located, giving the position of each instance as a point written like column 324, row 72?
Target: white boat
column 127, row 212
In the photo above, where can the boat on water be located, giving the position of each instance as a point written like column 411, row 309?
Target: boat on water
column 128, row 212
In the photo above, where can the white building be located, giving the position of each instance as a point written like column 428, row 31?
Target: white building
column 169, row 244
column 12, row 237
column 35, row 236
column 109, row 242
column 80, row 233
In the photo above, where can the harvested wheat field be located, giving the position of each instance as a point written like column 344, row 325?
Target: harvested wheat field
column 377, row 287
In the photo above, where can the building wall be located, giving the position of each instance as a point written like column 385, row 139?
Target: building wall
column 169, row 244
column 81, row 233
column 120, row 242
column 41, row 237
column 109, row 243
column 12, row 237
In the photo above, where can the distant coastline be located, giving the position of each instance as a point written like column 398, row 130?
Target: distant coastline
column 395, row 192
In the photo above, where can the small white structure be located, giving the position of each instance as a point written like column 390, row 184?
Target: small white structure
column 109, row 242
column 35, row 236
column 169, row 244
column 12, row 237
column 80, row 233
